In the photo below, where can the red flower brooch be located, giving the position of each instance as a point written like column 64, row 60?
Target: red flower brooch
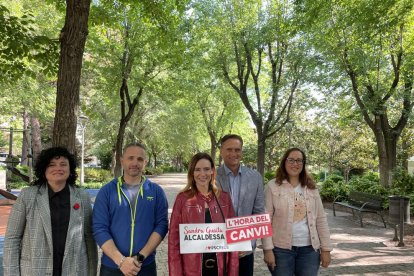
column 76, row 206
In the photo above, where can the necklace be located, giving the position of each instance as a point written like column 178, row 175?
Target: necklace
column 207, row 198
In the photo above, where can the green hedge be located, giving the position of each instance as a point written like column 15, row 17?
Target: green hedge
column 333, row 186
column 403, row 184
column 97, row 175
column 269, row 176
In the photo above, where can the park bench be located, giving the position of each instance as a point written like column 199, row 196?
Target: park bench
column 362, row 203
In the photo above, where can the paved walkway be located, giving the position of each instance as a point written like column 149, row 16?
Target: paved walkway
column 357, row 251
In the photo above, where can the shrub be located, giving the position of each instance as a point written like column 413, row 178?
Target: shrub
column 403, row 182
column 321, row 177
column 97, row 175
column 18, row 184
column 153, row 171
column 368, row 183
column 16, row 179
column 105, row 156
column 316, row 177
column 268, row 176
column 333, row 186
column 93, row 185
column 167, row 168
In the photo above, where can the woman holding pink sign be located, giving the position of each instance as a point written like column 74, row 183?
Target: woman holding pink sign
column 200, row 202
column 301, row 235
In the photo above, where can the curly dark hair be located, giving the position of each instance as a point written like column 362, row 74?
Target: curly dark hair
column 304, row 177
column 44, row 160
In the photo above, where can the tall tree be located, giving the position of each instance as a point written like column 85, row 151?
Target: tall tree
column 139, row 37
column 262, row 58
column 371, row 45
column 206, row 87
column 72, row 45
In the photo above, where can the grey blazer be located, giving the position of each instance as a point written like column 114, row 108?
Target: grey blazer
column 251, row 198
column 28, row 248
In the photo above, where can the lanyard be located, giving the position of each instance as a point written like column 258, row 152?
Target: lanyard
column 120, row 191
column 134, row 212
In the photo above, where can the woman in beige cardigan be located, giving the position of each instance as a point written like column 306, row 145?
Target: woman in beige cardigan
column 301, row 236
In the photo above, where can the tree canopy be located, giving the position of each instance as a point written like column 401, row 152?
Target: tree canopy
column 334, row 78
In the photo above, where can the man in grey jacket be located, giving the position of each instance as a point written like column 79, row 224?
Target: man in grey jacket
column 245, row 187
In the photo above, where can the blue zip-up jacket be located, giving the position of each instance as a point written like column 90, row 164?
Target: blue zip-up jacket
column 113, row 217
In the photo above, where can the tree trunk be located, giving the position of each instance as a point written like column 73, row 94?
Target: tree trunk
column 26, row 139
column 403, row 156
column 213, row 152
column 213, row 145
column 261, row 148
column 72, row 45
column 125, row 117
column 36, row 137
column 119, row 146
column 268, row 117
column 387, row 152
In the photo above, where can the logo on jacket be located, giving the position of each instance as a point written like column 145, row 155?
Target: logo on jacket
column 150, row 198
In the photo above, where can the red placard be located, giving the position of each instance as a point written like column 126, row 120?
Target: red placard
column 248, row 228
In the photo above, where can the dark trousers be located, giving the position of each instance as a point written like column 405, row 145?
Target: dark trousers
column 209, row 267
column 246, row 265
column 148, row 270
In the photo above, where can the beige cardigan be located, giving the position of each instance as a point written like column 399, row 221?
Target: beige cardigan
column 279, row 201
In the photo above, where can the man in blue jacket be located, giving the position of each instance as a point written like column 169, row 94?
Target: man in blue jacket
column 130, row 218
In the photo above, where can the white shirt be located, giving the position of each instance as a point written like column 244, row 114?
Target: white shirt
column 300, row 229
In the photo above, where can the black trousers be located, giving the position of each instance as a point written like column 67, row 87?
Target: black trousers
column 210, row 264
column 246, row 265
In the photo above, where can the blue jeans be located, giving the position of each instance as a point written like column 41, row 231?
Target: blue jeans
column 148, row 270
column 246, row 265
column 299, row 261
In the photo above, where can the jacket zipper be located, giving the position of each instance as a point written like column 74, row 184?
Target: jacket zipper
column 140, row 192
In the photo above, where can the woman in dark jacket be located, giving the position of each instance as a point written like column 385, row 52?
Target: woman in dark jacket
column 200, row 202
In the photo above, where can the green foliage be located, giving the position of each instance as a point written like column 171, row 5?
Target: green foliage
column 18, row 184
column 16, row 180
column 362, row 44
column 332, row 187
column 3, row 141
column 168, row 168
column 403, row 182
column 316, row 177
column 105, row 156
column 93, row 185
column 368, row 183
column 97, row 175
column 153, row 171
column 268, row 176
column 20, row 45
column 335, row 186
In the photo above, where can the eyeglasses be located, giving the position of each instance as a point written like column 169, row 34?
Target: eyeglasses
column 293, row 161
